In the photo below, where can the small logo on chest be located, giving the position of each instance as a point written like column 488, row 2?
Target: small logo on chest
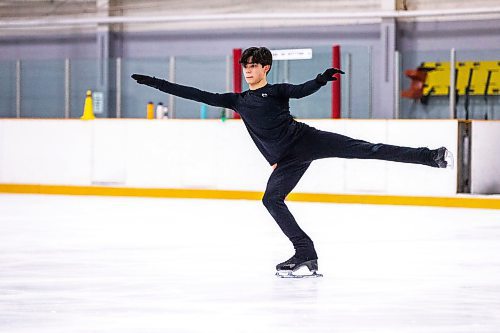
column 264, row 95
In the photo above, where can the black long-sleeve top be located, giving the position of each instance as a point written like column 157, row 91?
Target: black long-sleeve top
column 264, row 111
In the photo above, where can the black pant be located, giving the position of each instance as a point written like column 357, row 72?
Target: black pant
column 313, row 145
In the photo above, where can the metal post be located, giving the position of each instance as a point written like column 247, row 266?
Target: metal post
column 386, row 53
column 370, row 83
column 229, row 112
column 397, row 88
column 103, row 46
column 336, row 86
column 464, row 157
column 237, row 87
column 348, row 91
column 171, row 78
column 453, row 113
column 118, row 87
column 286, row 71
column 102, row 85
column 67, row 88
column 18, row 89
column 385, row 82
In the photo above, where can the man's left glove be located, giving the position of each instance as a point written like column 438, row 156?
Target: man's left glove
column 328, row 76
column 144, row 79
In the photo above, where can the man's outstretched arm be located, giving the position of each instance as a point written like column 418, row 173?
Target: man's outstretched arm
column 309, row 87
column 222, row 100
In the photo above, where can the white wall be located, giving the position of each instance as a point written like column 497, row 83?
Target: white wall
column 369, row 176
column 210, row 154
column 485, row 152
column 46, row 152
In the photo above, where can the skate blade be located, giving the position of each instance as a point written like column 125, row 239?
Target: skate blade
column 291, row 275
column 300, row 273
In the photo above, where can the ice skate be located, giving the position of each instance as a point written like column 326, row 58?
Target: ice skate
column 443, row 158
column 298, row 268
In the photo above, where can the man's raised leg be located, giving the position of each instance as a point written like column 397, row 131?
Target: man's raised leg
column 318, row 144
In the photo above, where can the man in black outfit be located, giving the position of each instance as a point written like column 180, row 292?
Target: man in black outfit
column 288, row 145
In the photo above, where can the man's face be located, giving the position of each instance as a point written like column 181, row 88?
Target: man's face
column 254, row 73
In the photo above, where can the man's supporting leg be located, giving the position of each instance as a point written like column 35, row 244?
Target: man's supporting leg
column 282, row 181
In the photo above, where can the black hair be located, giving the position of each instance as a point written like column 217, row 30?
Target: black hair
column 260, row 55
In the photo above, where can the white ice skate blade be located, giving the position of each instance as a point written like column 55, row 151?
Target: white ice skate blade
column 302, row 272
column 298, row 276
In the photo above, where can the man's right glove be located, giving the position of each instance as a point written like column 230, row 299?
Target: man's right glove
column 328, row 76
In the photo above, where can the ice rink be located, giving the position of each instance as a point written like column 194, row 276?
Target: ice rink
column 118, row 265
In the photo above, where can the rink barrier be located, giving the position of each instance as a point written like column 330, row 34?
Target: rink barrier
column 462, row 201
column 203, row 154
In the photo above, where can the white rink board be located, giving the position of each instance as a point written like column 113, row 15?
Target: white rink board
column 485, row 151
column 46, row 152
column 210, row 155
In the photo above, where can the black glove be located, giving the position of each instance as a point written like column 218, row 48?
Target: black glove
column 144, row 79
column 328, row 75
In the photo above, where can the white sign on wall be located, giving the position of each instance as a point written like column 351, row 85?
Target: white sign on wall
column 98, row 101
column 292, row 54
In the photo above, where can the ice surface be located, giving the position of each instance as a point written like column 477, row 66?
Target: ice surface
column 99, row 264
